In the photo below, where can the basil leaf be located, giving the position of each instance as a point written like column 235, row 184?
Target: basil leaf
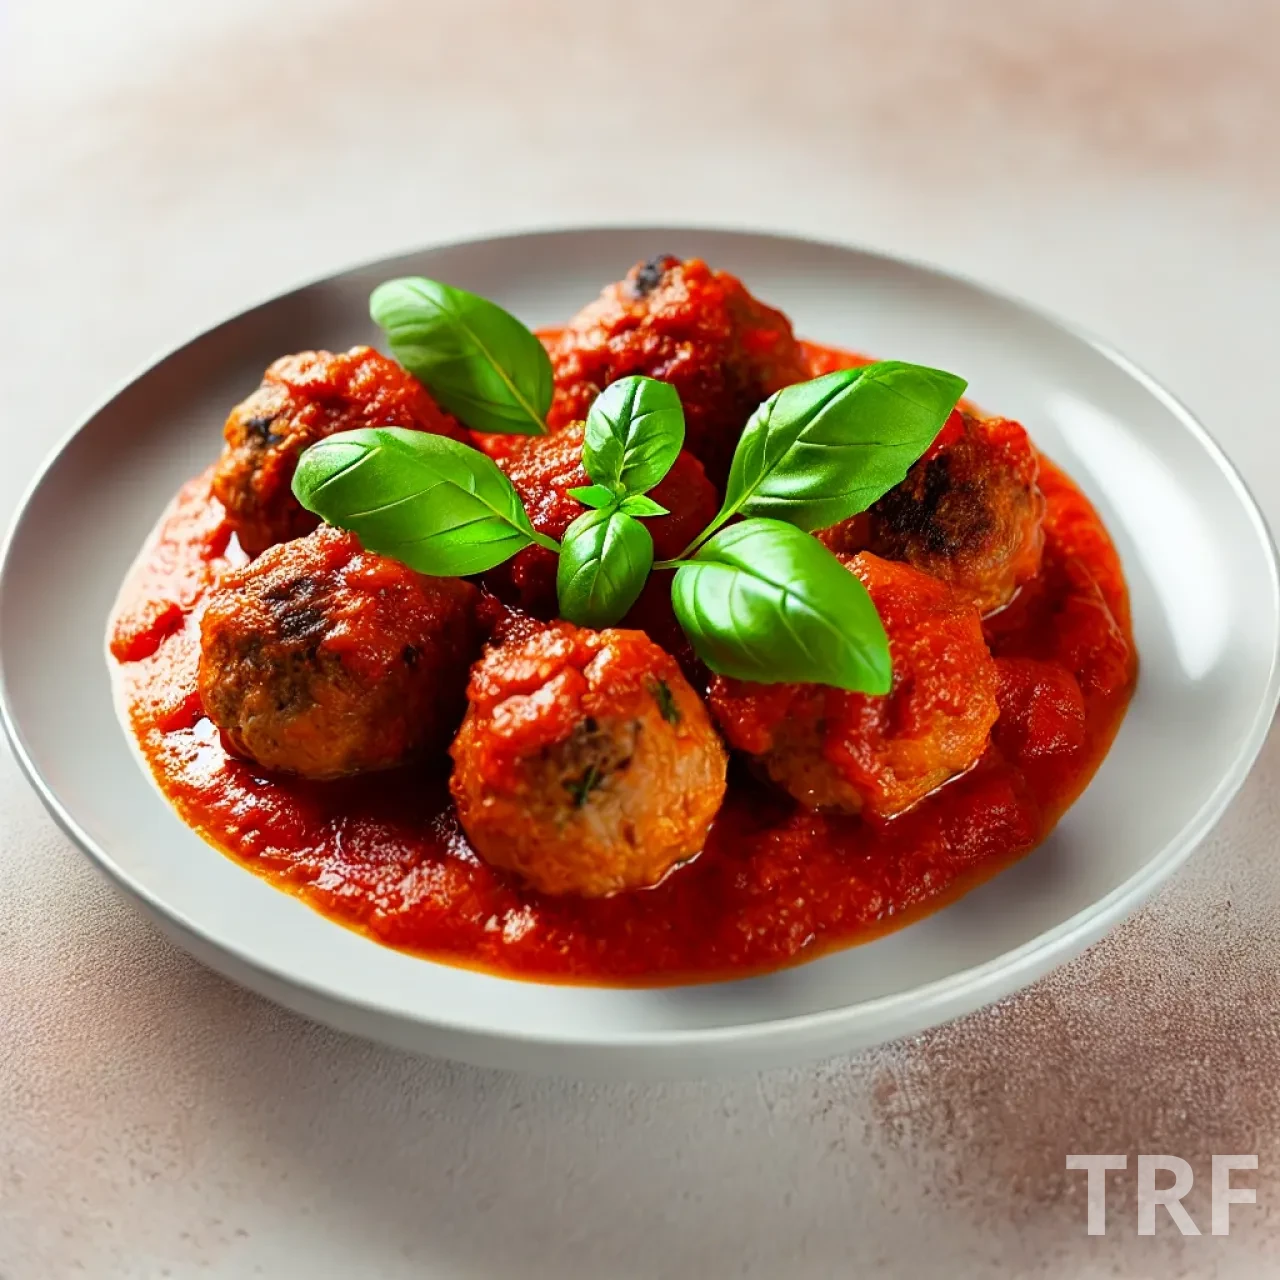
column 765, row 601
column 604, row 560
column 639, row 504
column 434, row 504
column 476, row 359
column 634, row 433
column 820, row 451
column 594, row 495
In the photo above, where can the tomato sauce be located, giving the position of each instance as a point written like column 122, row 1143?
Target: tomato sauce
column 775, row 885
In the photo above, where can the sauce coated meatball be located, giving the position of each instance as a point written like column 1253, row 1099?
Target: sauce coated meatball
column 321, row 659
column 586, row 763
column 969, row 512
column 302, row 399
column 543, row 469
column 698, row 329
column 877, row 754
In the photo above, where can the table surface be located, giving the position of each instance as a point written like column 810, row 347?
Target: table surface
column 164, row 164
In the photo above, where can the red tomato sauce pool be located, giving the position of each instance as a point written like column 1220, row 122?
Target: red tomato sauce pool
column 776, row 884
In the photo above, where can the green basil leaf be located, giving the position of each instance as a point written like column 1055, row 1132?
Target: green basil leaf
column 820, row 451
column 634, row 433
column 594, row 495
column 434, row 504
column 604, row 560
column 639, row 504
column 765, row 601
column 476, row 359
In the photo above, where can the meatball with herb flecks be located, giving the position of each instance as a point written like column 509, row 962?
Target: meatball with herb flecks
column 879, row 755
column 586, row 764
column 698, row 329
column 321, row 659
column 304, row 398
column 969, row 512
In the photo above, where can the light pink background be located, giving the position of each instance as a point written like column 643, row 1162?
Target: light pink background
column 163, row 164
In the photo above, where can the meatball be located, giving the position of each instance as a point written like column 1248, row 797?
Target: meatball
column 968, row 512
column 586, row 763
column 698, row 329
column 302, row 399
column 543, row 469
column 321, row 659
column 877, row 754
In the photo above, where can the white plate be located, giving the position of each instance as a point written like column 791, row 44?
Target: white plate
column 1199, row 559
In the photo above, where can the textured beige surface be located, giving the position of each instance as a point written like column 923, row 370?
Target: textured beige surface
column 164, row 164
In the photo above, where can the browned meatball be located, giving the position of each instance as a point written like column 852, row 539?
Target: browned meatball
column 969, row 512
column 586, row 763
column 302, row 399
column 723, row 350
column 859, row 752
column 321, row 659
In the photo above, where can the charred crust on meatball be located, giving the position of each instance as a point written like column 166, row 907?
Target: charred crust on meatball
column 301, row 623
column 946, row 515
column 649, row 275
column 968, row 512
column 296, row 618
column 258, row 429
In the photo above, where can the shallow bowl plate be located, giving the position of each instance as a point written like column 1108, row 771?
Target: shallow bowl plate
column 1199, row 559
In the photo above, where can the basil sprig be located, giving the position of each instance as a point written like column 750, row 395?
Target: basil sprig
column 438, row 506
column 633, row 435
column 763, row 600
column 478, row 360
column 759, row 598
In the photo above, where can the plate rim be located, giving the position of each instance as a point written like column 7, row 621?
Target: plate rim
column 1006, row 971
